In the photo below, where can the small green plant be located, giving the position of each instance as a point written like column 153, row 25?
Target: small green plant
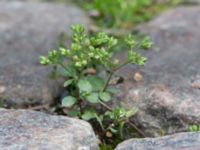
column 88, row 66
column 126, row 13
column 194, row 128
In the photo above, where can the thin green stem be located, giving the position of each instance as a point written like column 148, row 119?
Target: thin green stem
column 105, row 105
column 125, row 120
column 120, row 66
column 136, row 128
column 108, row 80
column 62, row 65
column 111, row 74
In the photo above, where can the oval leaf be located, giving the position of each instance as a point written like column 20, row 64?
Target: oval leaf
column 113, row 130
column 105, row 96
column 93, row 98
column 96, row 82
column 112, row 90
column 67, row 72
column 88, row 114
column 68, row 82
column 84, row 86
column 74, row 113
column 68, row 101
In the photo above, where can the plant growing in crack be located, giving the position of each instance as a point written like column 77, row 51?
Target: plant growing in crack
column 88, row 67
column 194, row 128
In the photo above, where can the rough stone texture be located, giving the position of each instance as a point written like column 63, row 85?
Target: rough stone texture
column 30, row 130
column 168, row 97
column 182, row 141
column 28, row 30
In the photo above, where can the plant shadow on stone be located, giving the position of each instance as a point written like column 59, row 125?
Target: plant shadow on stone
column 88, row 67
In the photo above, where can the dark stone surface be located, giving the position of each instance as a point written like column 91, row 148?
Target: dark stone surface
column 183, row 141
column 30, row 130
column 168, row 97
column 28, row 30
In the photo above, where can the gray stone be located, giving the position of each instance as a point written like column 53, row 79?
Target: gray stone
column 191, row 1
column 168, row 97
column 19, row 0
column 31, row 130
column 181, row 141
column 28, row 30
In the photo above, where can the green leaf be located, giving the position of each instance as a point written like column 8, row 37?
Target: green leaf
column 96, row 82
column 93, row 98
column 68, row 82
column 105, row 96
column 70, row 71
column 110, row 114
column 84, row 85
column 131, row 112
column 194, row 128
column 99, row 120
column 88, row 115
column 121, row 112
column 1, row 103
column 121, row 127
column 113, row 130
column 68, row 101
column 74, row 113
column 112, row 90
column 106, row 147
column 191, row 129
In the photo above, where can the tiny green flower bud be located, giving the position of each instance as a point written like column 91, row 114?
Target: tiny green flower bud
column 64, row 52
column 75, row 57
column 78, row 64
column 76, row 47
column 146, row 43
column 97, row 57
column 116, row 62
column 112, row 42
column 84, row 62
column 44, row 60
column 91, row 54
column 52, row 54
column 130, row 40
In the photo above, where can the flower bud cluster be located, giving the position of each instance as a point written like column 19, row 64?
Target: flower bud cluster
column 85, row 51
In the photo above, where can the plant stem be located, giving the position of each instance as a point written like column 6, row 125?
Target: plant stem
column 120, row 66
column 128, row 122
column 106, row 85
column 108, row 80
column 136, row 128
column 106, row 106
column 62, row 65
